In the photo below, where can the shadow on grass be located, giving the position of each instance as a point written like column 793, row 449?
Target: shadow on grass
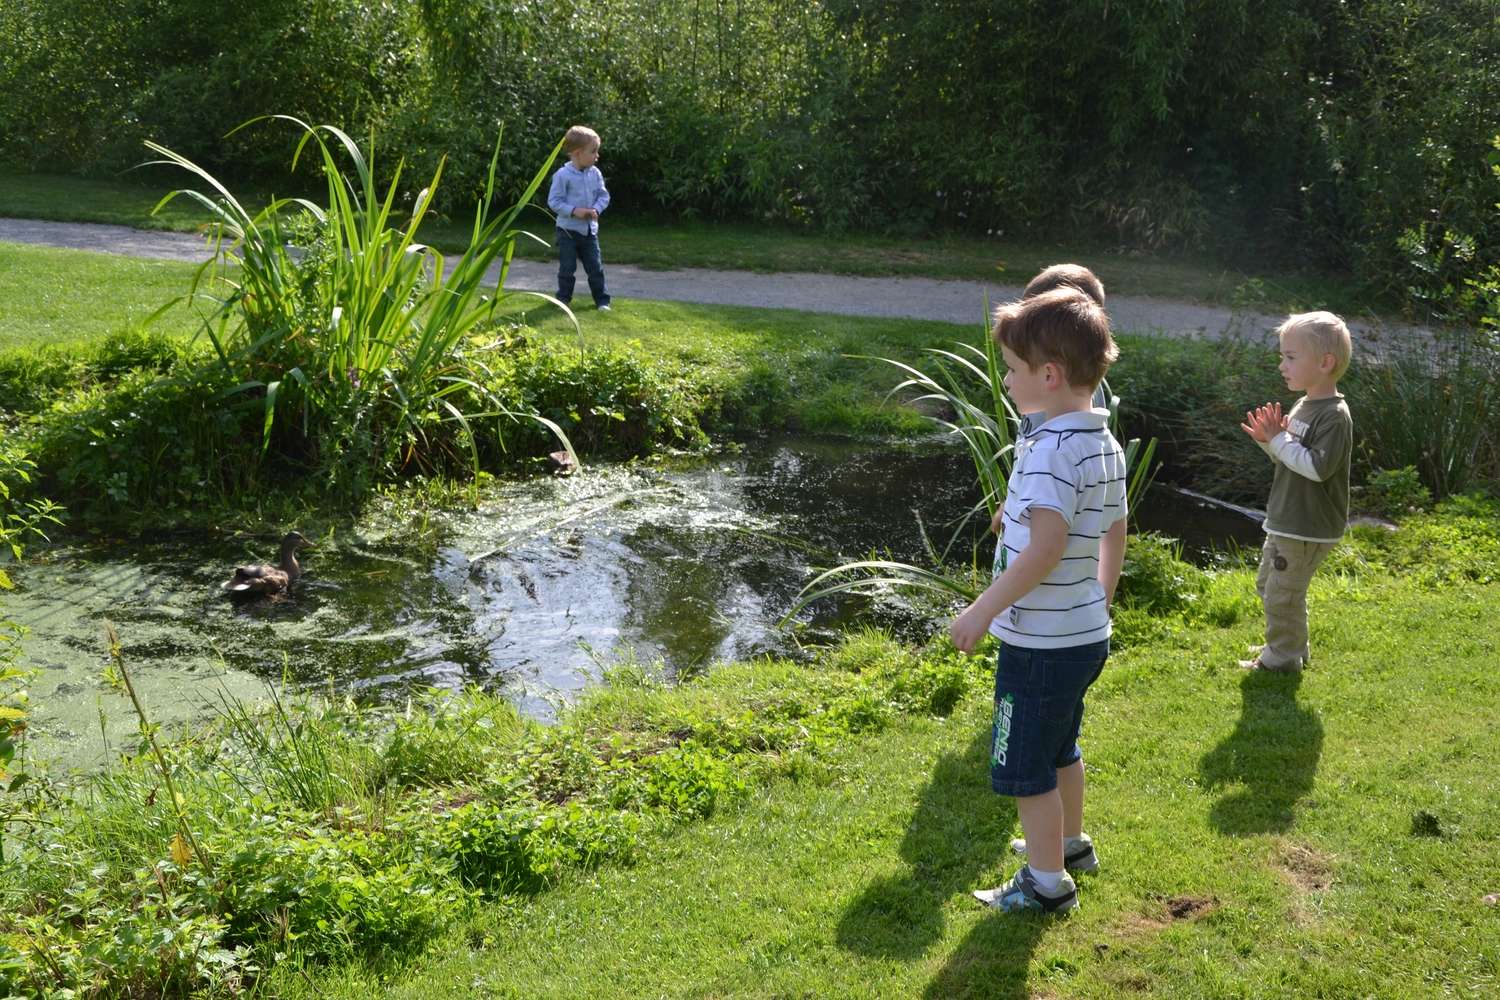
column 1272, row 756
column 958, row 831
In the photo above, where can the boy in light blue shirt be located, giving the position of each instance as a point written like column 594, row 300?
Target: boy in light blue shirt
column 578, row 196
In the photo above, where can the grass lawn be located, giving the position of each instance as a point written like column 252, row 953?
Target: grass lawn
column 679, row 243
column 1260, row 836
column 68, row 298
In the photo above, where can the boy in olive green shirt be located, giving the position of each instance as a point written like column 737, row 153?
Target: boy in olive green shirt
column 1309, row 505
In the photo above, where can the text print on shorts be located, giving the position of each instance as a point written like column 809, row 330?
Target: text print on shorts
column 1003, row 709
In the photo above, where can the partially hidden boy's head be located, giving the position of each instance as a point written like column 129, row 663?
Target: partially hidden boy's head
column 1066, row 276
column 580, row 139
column 1064, row 327
column 1323, row 337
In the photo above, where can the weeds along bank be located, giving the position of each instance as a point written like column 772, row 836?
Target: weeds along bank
column 144, row 422
column 334, row 834
column 327, row 834
column 1433, row 407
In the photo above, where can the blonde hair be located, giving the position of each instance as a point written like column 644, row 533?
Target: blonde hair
column 1325, row 333
column 1063, row 326
column 1066, row 276
column 579, row 137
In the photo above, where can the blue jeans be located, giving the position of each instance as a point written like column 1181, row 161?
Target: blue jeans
column 574, row 247
column 1038, row 712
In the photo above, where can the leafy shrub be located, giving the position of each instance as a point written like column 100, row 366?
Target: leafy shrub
column 1435, row 407
column 448, row 739
column 148, row 951
column 932, row 686
column 1155, row 579
column 524, row 848
column 178, row 72
column 149, row 441
column 284, row 880
column 30, row 380
column 866, row 650
column 1395, row 492
column 931, row 683
column 687, row 781
column 607, row 402
column 1458, row 542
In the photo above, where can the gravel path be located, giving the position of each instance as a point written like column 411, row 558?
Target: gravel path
column 905, row 298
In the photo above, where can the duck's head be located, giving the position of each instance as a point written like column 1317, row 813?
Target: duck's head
column 293, row 541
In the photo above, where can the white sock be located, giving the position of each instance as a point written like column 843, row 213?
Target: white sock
column 1046, row 881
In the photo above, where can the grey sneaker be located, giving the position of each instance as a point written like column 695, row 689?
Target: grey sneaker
column 1022, row 893
column 1078, row 853
column 606, row 308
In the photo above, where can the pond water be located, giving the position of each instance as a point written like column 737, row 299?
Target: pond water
column 684, row 561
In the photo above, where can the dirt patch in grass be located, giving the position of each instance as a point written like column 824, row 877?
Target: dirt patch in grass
column 1162, row 912
column 1190, row 907
column 1307, row 869
column 1121, row 970
column 1310, row 873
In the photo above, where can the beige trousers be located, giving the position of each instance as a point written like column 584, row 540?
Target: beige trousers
column 1286, row 569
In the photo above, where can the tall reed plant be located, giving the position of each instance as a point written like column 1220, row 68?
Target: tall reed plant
column 1435, row 406
column 366, row 344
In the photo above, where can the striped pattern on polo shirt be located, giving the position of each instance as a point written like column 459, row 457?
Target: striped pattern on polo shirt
column 1073, row 465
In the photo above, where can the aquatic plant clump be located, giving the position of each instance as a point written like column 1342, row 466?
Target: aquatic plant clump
column 355, row 348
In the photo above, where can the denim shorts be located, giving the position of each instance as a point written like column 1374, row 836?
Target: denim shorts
column 1038, row 711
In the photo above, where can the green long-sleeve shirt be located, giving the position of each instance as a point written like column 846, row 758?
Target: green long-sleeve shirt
column 1310, row 491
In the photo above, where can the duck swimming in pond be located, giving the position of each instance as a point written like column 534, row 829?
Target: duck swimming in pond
column 260, row 579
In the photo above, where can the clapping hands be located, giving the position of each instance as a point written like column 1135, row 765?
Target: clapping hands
column 1264, row 422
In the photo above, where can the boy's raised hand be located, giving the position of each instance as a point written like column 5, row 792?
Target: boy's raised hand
column 1264, row 422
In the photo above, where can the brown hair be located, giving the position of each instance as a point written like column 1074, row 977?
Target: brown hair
column 1066, row 276
column 1063, row 326
column 579, row 137
column 1323, row 332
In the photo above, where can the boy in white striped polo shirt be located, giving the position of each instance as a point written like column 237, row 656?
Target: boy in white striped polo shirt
column 1062, row 548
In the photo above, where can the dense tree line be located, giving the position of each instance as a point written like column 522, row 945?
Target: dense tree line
column 1356, row 134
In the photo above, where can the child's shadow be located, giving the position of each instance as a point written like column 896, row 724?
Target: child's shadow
column 1273, row 753
column 958, row 830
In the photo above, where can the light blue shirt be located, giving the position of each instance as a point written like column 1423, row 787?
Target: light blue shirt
column 573, row 188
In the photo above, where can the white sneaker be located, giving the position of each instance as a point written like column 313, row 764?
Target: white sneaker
column 1022, row 893
column 1078, row 853
column 606, row 308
